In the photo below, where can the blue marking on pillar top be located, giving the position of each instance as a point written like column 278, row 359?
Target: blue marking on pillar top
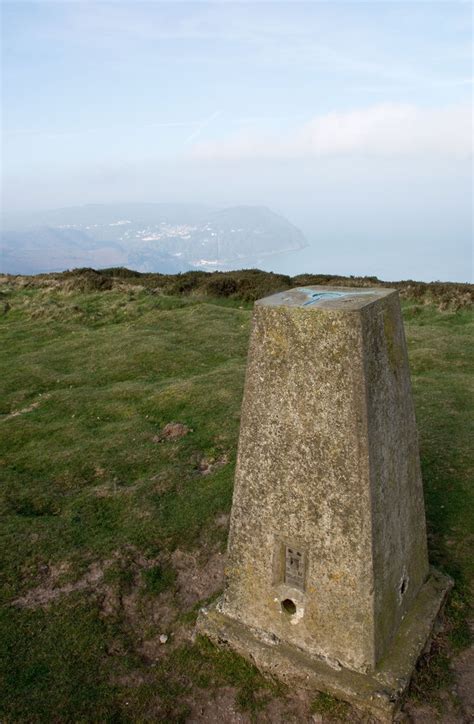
column 315, row 297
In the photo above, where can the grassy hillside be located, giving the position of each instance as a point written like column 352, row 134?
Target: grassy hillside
column 119, row 421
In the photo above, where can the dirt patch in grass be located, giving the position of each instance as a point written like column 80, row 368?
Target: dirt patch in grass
column 51, row 591
column 172, row 431
column 206, row 466
column 427, row 714
column 157, row 648
column 441, row 688
column 144, row 598
column 133, row 679
column 198, row 578
column 463, row 670
column 29, row 408
column 149, row 621
column 294, row 708
column 222, row 705
column 222, row 520
column 215, row 707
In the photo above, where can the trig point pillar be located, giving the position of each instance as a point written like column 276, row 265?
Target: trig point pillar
column 328, row 584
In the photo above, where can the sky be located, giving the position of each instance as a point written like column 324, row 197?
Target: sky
column 352, row 119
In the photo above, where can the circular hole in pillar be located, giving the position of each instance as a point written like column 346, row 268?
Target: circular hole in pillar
column 288, row 606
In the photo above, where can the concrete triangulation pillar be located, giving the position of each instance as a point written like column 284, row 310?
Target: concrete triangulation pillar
column 328, row 584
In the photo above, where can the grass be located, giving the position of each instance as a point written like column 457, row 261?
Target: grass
column 53, row 666
column 89, row 379
column 331, row 708
column 158, row 578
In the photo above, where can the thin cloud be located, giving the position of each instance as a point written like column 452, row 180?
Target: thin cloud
column 381, row 130
column 270, row 36
column 202, row 126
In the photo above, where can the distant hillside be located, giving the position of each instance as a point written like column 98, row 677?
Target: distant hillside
column 53, row 249
column 166, row 238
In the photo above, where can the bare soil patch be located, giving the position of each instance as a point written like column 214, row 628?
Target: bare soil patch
column 206, row 466
column 215, row 707
column 426, row 714
column 50, row 590
column 463, row 668
column 172, row 431
column 198, row 577
column 222, row 520
column 153, row 626
column 29, row 408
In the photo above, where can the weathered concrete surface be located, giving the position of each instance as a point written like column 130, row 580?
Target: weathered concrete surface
column 380, row 692
column 327, row 544
column 399, row 555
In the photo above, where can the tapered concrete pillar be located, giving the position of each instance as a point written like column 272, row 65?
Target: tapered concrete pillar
column 328, row 583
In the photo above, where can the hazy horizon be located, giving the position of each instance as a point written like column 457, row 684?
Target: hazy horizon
column 352, row 120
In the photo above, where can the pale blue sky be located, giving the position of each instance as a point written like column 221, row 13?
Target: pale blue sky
column 352, row 119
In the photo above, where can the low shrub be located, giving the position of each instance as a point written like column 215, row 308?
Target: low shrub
column 244, row 284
